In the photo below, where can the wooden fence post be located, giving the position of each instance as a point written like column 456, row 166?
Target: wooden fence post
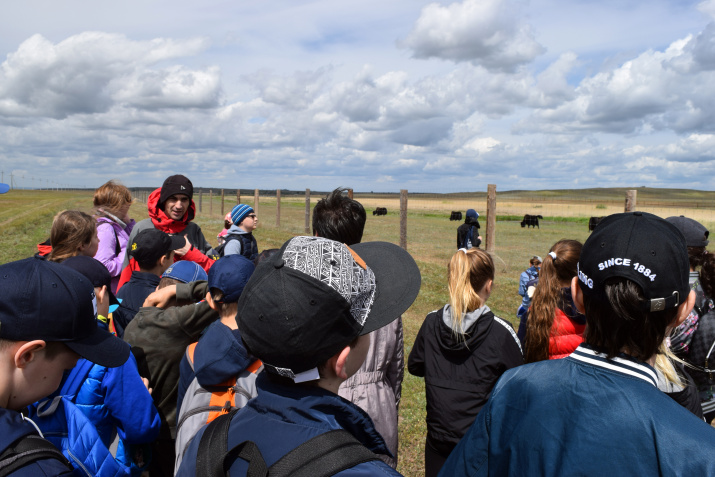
column 238, row 196
column 491, row 217
column 403, row 218
column 307, row 211
column 278, row 207
column 255, row 201
column 350, row 194
column 223, row 214
column 631, row 196
column 211, row 202
column 201, row 196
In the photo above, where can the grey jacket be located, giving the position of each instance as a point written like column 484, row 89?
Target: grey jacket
column 377, row 386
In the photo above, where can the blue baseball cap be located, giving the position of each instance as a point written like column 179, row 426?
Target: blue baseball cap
column 472, row 213
column 185, row 272
column 41, row 300
column 230, row 275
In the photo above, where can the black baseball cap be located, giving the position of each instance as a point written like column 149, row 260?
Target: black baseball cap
column 643, row 248
column 42, row 300
column 96, row 273
column 151, row 244
column 695, row 233
column 315, row 296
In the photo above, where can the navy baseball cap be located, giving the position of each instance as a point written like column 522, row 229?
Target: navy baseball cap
column 643, row 248
column 41, row 300
column 230, row 274
column 97, row 274
column 185, row 272
column 695, row 233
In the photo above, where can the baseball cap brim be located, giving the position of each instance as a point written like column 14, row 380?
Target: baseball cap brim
column 397, row 278
column 102, row 348
column 177, row 241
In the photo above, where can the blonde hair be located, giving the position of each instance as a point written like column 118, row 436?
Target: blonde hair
column 112, row 196
column 468, row 272
column 664, row 363
column 70, row 230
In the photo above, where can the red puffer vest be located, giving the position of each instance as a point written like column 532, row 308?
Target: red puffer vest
column 565, row 336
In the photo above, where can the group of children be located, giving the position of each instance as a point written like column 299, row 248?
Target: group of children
column 290, row 362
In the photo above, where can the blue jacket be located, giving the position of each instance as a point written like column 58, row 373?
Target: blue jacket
column 583, row 415
column 219, row 356
column 13, row 427
column 116, row 398
column 527, row 275
column 134, row 292
column 282, row 417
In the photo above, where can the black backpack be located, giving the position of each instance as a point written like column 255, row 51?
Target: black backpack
column 26, row 450
column 220, row 249
column 322, row 456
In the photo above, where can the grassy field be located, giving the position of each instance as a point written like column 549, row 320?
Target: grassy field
column 25, row 219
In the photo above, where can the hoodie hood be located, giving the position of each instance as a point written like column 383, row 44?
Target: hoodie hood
column 476, row 323
column 220, row 355
column 236, row 230
column 162, row 221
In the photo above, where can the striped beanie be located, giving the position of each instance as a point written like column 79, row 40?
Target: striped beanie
column 239, row 212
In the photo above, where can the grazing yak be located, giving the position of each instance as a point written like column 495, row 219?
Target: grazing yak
column 455, row 216
column 380, row 211
column 531, row 221
column 593, row 222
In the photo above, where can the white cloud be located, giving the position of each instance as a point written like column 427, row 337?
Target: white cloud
column 90, row 72
column 490, row 33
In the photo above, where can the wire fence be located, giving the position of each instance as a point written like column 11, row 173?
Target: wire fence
column 291, row 210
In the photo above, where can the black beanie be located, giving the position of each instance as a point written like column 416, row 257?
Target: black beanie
column 177, row 184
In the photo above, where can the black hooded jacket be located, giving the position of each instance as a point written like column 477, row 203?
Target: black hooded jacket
column 460, row 372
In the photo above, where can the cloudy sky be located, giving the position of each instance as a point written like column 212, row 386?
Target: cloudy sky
column 374, row 95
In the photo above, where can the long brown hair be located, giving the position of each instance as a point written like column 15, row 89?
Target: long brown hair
column 70, row 230
column 554, row 272
column 468, row 272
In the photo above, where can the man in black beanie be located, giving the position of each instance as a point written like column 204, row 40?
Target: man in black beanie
column 172, row 210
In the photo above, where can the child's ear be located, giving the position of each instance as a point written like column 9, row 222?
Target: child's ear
column 27, row 352
column 339, row 361
column 577, row 295
column 212, row 304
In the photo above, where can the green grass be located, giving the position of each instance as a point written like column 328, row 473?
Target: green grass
column 25, row 219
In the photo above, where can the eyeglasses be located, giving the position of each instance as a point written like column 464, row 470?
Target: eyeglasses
column 251, row 216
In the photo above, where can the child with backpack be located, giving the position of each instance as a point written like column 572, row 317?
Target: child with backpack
column 527, row 284
column 115, row 400
column 47, row 322
column 239, row 239
column 468, row 233
column 461, row 350
column 217, row 373
column 306, row 314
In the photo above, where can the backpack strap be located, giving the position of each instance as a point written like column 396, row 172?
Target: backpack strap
column 117, row 247
column 213, row 455
column 26, row 450
column 323, row 456
column 75, row 379
column 190, row 350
